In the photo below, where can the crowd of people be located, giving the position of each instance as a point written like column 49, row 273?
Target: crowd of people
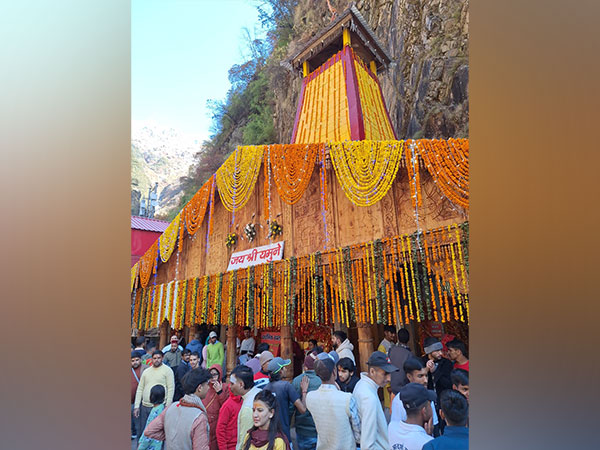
column 181, row 399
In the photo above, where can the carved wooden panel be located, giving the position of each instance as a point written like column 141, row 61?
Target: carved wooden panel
column 356, row 224
column 404, row 208
column 308, row 223
column 389, row 215
column 218, row 253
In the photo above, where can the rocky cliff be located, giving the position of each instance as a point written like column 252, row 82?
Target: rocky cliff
column 425, row 88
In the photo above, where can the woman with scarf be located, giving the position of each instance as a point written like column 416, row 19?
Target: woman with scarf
column 266, row 434
column 217, row 395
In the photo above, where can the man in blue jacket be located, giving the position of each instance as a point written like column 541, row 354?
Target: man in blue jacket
column 455, row 410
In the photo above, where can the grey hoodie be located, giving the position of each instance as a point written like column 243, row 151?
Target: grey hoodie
column 344, row 350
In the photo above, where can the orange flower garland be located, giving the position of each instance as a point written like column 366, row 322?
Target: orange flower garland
column 448, row 164
column 148, row 264
column 292, row 167
column 194, row 211
column 444, row 290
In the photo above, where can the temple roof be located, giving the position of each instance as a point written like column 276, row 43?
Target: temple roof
column 329, row 41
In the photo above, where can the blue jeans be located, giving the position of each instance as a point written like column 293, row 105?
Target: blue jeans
column 306, row 442
column 133, row 430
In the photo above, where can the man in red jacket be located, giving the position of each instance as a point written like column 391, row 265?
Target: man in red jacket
column 227, row 424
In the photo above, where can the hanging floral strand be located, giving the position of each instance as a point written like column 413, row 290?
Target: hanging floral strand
column 349, row 284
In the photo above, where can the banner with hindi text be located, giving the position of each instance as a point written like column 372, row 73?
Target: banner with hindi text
column 256, row 256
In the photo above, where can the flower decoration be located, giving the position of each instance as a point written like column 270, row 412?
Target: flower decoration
column 250, row 231
column 231, row 240
column 274, row 229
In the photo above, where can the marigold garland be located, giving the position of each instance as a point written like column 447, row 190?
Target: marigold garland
column 336, row 285
column 168, row 239
column 237, row 176
column 448, row 163
column 412, row 168
column 194, row 211
column 292, row 167
column 134, row 274
column 366, row 169
column 148, row 264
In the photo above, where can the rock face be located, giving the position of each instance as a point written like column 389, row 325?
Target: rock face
column 426, row 86
column 159, row 156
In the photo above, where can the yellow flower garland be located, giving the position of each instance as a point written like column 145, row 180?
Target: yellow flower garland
column 237, row 176
column 366, row 169
column 168, row 239
column 134, row 274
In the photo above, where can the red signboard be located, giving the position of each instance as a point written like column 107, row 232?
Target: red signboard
column 272, row 338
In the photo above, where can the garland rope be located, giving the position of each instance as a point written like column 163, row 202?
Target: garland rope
column 292, row 167
column 366, row 169
column 237, row 176
column 168, row 239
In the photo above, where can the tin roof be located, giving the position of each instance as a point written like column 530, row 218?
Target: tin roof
column 146, row 224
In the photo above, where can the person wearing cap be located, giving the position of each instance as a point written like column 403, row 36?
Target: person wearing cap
column 136, row 372
column 415, row 431
column 174, row 355
column 373, row 428
column 438, row 367
column 261, row 378
column 306, row 432
column 167, row 347
column 454, row 409
column 334, row 412
column 284, row 392
column 157, row 373
column 215, row 353
column 254, row 363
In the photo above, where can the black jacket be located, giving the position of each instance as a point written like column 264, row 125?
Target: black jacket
column 440, row 379
column 180, row 371
column 348, row 386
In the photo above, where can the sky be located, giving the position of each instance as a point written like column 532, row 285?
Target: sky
column 181, row 51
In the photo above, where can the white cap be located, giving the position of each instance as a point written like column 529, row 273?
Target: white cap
column 212, row 334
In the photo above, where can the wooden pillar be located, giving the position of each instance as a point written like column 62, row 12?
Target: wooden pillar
column 164, row 331
column 305, row 69
column 186, row 334
column 287, row 351
column 365, row 344
column 346, row 37
column 231, row 350
column 373, row 67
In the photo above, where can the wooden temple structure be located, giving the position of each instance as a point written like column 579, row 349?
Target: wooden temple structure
column 370, row 230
